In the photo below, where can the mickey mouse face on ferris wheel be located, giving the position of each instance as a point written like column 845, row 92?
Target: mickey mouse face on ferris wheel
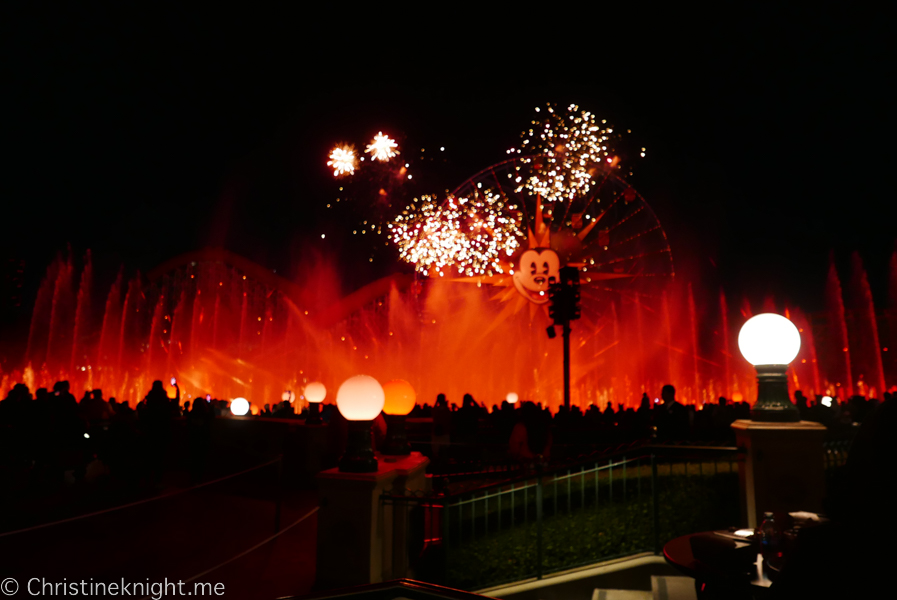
column 538, row 268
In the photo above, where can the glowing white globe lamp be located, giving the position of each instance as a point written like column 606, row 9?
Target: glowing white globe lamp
column 359, row 400
column 239, row 407
column 512, row 398
column 770, row 342
column 315, row 392
column 769, row 339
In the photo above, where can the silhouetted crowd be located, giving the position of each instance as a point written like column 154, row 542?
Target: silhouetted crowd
column 529, row 429
column 51, row 436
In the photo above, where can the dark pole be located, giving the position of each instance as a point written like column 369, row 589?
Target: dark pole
column 567, row 365
column 563, row 308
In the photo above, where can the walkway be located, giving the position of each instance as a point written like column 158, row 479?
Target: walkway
column 180, row 537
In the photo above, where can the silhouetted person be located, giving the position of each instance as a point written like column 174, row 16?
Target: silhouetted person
column 561, row 418
column 63, row 401
column 158, row 408
column 199, row 422
column 442, row 425
column 41, row 431
column 285, row 410
column 673, row 418
column 67, row 431
column 94, row 408
column 465, row 427
column 802, row 404
column 609, row 415
column 156, row 423
column 723, row 417
column 15, row 411
column 643, row 415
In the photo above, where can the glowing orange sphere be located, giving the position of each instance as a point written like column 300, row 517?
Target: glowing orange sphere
column 400, row 397
column 737, row 397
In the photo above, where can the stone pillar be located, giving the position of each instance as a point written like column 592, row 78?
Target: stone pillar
column 783, row 470
column 356, row 544
column 410, row 476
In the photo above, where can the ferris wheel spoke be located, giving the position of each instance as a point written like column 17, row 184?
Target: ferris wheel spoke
column 597, row 191
column 626, row 218
column 632, row 257
column 634, row 237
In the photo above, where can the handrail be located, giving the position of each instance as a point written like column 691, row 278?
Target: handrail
column 530, row 470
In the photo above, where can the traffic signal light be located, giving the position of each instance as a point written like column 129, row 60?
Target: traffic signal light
column 557, row 305
column 570, row 281
column 564, row 297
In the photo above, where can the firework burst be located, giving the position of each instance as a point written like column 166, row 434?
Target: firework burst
column 382, row 148
column 342, row 160
column 469, row 236
column 565, row 151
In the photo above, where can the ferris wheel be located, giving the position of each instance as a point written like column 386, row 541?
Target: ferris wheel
column 609, row 232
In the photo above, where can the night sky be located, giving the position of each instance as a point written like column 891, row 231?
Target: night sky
column 143, row 136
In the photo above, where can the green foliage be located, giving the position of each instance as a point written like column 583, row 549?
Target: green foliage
column 593, row 532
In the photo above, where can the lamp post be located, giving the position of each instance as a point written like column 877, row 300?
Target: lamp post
column 359, row 400
column 315, row 392
column 564, row 307
column 400, row 400
column 770, row 342
column 783, row 468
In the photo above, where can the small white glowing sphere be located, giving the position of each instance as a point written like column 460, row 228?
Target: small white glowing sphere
column 239, row 406
column 512, row 398
column 360, row 398
column 769, row 339
column 315, row 392
column 826, row 400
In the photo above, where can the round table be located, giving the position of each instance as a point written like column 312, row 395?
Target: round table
column 714, row 581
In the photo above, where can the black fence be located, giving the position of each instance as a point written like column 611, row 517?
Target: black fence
column 516, row 524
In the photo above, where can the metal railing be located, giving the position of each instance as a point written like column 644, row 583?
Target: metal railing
column 551, row 518
column 458, row 476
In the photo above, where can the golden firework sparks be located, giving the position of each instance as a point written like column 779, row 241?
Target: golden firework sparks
column 567, row 149
column 343, row 160
column 469, row 236
column 382, row 148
